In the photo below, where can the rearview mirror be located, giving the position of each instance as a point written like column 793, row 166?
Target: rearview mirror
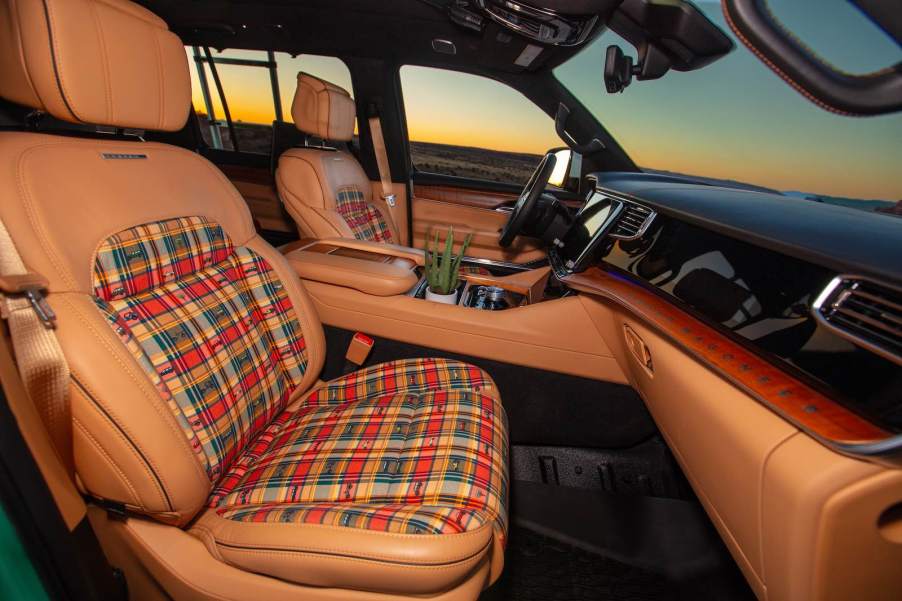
column 618, row 70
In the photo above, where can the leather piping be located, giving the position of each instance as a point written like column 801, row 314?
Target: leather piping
column 56, row 73
column 470, row 557
column 147, row 464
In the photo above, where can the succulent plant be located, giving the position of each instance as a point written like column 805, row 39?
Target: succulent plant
column 443, row 271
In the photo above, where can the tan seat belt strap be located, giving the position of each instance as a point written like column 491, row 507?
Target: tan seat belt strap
column 388, row 194
column 38, row 354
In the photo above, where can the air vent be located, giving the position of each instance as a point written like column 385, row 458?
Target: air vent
column 865, row 312
column 632, row 222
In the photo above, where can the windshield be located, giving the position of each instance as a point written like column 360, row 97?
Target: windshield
column 736, row 120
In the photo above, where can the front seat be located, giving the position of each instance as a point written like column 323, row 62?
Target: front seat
column 325, row 190
column 194, row 353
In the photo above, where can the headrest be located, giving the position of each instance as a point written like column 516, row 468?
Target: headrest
column 102, row 62
column 323, row 109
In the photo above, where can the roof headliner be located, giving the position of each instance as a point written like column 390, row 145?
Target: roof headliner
column 400, row 31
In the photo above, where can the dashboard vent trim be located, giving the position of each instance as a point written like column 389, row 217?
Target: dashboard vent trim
column 864, row 311
column 632, row 222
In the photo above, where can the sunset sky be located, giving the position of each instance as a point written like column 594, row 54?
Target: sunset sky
column 734, row 119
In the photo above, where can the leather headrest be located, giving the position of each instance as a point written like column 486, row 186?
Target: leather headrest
column 323, row 109
column 102, row 62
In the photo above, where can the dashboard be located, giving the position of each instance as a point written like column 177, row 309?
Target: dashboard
column 769, row 272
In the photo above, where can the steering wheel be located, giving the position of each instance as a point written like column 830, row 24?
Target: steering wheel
column 526, row 204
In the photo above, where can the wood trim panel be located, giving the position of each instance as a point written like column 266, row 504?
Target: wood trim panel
column 314, row 246
column 780, row 391
column 472, row 197
column 244, row 173
column 479, row 199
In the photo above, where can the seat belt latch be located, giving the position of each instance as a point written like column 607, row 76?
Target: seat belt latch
column 114, row 509
column 32, row 286
column 358, row 351
column 390, row 200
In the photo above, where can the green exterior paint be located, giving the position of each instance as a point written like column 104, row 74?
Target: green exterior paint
column 18, row 578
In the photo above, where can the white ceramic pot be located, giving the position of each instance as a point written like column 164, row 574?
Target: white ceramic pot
column 448, row 299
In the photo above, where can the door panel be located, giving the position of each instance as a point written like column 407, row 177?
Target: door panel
column 468, row 210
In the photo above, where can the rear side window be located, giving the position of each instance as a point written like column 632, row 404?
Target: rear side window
column 258, row 87
column 473, row 127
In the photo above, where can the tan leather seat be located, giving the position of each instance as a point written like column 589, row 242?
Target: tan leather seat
column 326, row 191
column 195, row 352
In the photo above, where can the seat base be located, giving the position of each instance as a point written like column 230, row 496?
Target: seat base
column 162, row 563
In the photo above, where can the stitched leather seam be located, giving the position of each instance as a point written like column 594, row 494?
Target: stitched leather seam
column 161, row 91
column 153, row 398
column 779, row 72
column 107, row 80
column 438, row 565
column 375, row 533
column 136, row 499
column 135, row 449
column 31, row 211
column 190, row 584
column 17, row 26
column 322, row 190
column 303, row 314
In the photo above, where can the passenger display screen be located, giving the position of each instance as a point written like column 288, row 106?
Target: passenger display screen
column 591, row 219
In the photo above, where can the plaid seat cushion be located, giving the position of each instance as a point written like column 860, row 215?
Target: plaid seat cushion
column 365, row 220
column 210, row 325
column 415, row 446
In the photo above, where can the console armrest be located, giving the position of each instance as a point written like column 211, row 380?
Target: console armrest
column 371, row 277
column 359, row 248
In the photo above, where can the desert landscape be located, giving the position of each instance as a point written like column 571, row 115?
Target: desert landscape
column 500, row 166
column 476, row 163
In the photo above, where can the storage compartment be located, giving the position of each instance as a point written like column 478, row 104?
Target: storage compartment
column 371, row 273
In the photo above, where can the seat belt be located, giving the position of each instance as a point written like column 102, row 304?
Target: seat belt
column 39, row 357
column 388, row 194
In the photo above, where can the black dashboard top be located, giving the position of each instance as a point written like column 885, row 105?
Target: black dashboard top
column 751, row 263
column 839, row 238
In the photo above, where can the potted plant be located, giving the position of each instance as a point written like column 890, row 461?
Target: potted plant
column 443, row 271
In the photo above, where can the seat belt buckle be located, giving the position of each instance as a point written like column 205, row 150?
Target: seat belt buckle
column 32, row 286
column 390, row 200
column 358, row 350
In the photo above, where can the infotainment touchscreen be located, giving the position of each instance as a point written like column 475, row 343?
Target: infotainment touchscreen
column 591, row 219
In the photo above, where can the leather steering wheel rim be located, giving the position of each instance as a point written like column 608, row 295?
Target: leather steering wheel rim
column 528, row 200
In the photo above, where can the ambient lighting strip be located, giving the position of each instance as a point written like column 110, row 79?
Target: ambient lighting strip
column 810, row 410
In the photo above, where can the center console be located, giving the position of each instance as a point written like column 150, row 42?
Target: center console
column 389, row 270
column 378, row 289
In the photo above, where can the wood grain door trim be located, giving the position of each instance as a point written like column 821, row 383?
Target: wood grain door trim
column 479, row 199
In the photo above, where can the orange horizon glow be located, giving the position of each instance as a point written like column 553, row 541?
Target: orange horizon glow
column 817, row 153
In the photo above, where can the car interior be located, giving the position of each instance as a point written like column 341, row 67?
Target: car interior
column 297, row 305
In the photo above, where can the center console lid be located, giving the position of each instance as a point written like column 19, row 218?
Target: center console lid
column 376, row 269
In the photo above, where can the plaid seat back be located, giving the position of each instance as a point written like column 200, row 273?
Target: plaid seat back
column 364, row 219
column 211, row 326
column 412, row 446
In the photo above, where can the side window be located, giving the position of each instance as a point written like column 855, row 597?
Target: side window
column 246, row 85
column 473, row 127
column 258, row 87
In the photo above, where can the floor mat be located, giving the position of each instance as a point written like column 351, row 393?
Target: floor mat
column 539, row 568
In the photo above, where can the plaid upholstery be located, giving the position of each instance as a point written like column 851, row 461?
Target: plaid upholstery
column 364, row 219
column 211, row 326
column 415, row 446
column 153, row 254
